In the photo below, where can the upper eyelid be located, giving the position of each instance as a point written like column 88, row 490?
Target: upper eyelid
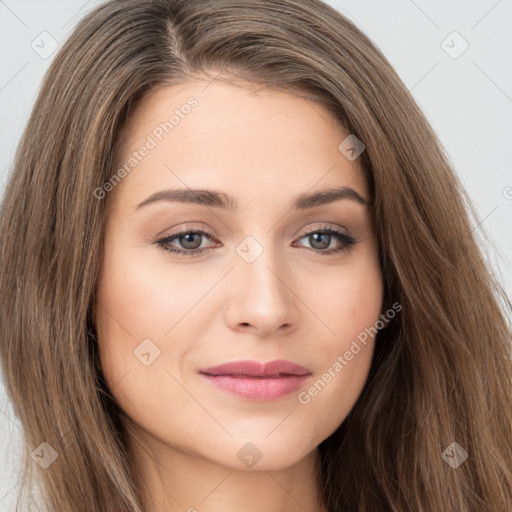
column 205, row 230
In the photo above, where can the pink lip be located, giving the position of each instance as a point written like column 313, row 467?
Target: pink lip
column 258, row 381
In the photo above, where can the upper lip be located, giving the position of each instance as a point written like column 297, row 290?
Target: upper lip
column 256, row 369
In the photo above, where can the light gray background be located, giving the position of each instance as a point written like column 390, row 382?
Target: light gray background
column 468, row 101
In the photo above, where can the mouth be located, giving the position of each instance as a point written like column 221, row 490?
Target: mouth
column 257, row 381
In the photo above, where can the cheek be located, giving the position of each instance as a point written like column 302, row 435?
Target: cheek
column 350, row 306
column 138, row 293
column 147, row 298
column 138, row 313
column 348, row 301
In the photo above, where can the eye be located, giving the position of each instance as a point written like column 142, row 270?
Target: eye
column 320, row 239
column 190, row 240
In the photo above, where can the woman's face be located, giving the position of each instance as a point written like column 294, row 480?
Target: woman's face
column 278, row 276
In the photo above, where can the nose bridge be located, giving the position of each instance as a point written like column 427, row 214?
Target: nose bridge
column 260, row 264
column 263, row 295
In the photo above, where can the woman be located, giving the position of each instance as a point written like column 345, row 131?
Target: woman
column 333, row 343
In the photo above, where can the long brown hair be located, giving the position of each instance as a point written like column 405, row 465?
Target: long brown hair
column 441, row 371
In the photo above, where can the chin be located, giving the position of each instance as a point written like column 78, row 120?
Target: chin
column 260, row 454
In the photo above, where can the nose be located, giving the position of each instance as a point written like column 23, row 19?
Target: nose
column 262, row 299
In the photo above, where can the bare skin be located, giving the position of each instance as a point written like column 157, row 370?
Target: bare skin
column 292, row 301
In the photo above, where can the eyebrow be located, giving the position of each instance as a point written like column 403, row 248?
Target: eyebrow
column 218, row 199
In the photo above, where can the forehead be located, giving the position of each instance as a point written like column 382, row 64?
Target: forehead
column 245, row 138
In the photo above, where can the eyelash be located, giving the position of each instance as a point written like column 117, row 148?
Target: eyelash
column 346, row 240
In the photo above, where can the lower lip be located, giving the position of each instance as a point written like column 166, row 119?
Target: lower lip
column 258, row 388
